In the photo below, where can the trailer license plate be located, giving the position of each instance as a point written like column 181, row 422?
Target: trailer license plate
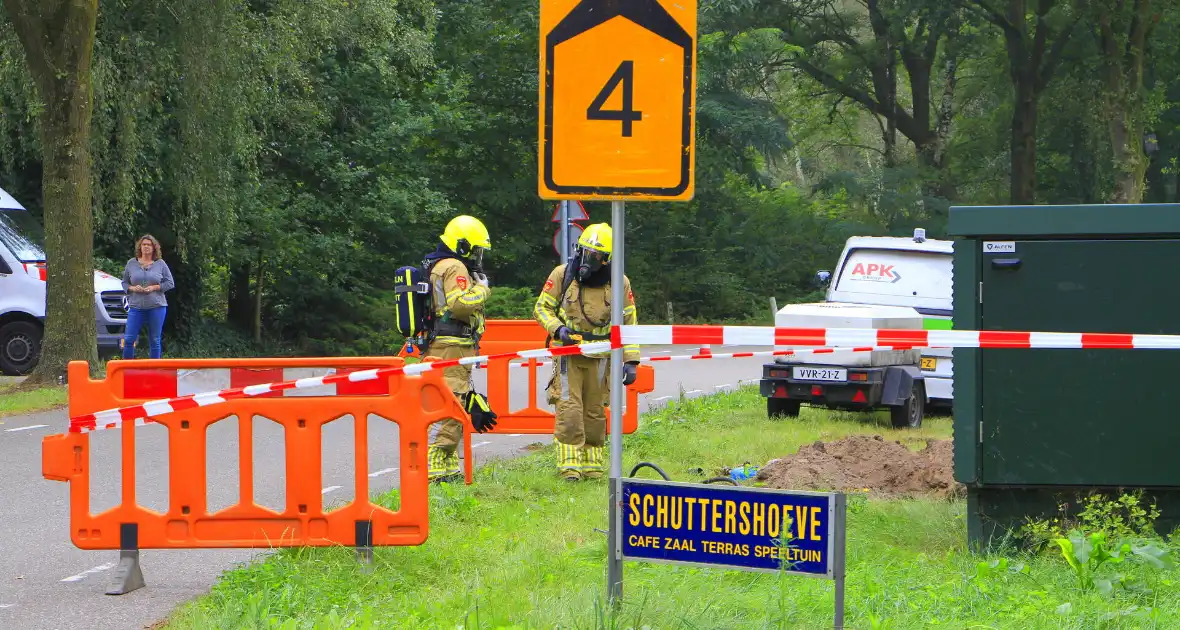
column 821, row 374
column 929, row 363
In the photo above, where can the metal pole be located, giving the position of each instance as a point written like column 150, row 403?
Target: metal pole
column 565, row 231
column 614, row 563
column 841, row 533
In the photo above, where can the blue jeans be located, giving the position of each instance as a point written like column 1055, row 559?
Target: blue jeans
column 155, row 322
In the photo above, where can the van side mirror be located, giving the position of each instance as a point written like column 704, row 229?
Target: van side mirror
column 5, row 270
column 822, row 279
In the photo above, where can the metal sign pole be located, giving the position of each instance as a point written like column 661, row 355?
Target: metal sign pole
column 840, row 527
column 614, row 563
column 565, row 231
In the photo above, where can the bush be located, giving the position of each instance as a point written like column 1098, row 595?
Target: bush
column 511, row 303
column 210, row 339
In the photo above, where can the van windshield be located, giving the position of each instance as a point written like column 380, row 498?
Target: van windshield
column 22, row 235
column 898, row 273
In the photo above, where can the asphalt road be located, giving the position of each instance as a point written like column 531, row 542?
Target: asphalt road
column 48, row 584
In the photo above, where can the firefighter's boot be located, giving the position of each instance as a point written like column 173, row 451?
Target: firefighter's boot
column 568, row 465
column 441, row 465
column 591, row 459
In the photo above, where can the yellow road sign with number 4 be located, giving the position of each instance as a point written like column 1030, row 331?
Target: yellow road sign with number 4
column 617, row 95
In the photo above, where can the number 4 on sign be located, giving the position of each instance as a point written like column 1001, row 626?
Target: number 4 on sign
column 625, row 74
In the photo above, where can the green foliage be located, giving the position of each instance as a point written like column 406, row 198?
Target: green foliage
column 1118, row 518
column 539, row 552
column 511, row 303
column 291, row 154
column 1105, row 534
column 17, row 400
column 211, row 340
column 1089, row 554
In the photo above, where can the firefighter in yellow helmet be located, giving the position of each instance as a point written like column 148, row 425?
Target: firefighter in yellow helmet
column 574, row 307
column 460, row 292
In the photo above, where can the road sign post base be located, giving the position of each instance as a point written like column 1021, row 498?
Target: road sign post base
column 364, row 545
column 128, row 575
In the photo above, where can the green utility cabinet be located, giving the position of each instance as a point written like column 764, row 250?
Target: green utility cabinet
column 1036, row 428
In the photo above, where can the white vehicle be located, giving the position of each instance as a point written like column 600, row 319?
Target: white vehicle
column 880, row 282
column 23, row 291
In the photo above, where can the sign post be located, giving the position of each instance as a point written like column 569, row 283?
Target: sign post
column 565, row 231
column 617, row 102
column 749, row 529
column 567, row 215
column 614, row 560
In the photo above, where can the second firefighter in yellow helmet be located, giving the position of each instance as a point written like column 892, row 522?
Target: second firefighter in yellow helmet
column 461, row 291
column 574, row 307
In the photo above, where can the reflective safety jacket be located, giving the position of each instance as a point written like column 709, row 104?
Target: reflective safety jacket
column 458, row 302
column 583, row 310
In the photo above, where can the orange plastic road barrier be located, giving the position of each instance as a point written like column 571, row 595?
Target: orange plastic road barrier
column 412, row 402
column 515, row 335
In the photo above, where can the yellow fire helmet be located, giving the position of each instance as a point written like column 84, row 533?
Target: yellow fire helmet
column 599, row 238
column 467, row 237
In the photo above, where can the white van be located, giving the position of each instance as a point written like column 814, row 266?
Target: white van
column 22, row 293
column 880, row 282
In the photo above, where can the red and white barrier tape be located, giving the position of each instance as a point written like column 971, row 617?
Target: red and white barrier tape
column 114, row 418
column 740, row 355
column 862, row 337
column 827, row 339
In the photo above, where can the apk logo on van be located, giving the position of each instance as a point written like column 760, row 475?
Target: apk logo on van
column 874, row 272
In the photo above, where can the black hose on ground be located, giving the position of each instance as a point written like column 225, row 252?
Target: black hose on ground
column 653, row 467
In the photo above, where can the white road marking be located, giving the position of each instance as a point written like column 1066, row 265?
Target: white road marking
column 7, row 605
column 721, row 386
column 329, row 489
column 693, row 391
column 99, row 569
column 479, row 444
column 383, row 471
column 516, row 435
column 31, row 426
column 661, row 398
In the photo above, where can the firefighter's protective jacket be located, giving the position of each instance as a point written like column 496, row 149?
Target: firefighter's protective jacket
column 583, row 310
column 457, row 299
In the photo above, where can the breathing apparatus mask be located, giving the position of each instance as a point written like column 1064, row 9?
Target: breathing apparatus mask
column 473, row 254
column 588, row 262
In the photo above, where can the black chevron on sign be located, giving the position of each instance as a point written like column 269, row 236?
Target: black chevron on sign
column 648, row 14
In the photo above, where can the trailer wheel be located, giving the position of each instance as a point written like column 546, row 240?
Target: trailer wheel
column 20, row 347
column 910, row 414
column 779, row 407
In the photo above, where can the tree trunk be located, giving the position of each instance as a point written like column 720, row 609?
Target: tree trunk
column 1126, row 138
column 58, row 39
column 1023, row 180
column 240, row 302
column 1032, row 61
column 946, row 115
column 258, row 300
column 1123, row 82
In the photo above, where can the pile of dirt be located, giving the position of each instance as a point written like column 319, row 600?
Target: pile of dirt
column 885, row 468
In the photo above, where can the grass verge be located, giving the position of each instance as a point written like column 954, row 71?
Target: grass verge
column 521, row 549
column 15, row 401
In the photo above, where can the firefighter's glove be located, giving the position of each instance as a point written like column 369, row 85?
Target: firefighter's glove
column 629, row 372
column 566, row 336
column 482, row 416
column 480, row 279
